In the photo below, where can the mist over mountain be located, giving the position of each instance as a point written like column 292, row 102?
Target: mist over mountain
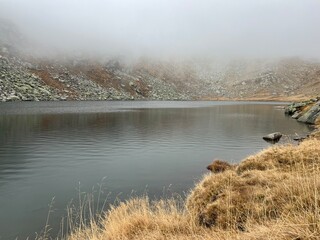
column 179, row 28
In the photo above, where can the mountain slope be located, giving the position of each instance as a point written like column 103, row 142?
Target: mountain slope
column 26, row 77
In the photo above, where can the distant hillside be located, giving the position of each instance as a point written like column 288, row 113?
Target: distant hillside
column 26, row 77
column 241, row 79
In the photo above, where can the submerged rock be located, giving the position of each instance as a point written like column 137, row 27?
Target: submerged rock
column 300, row 138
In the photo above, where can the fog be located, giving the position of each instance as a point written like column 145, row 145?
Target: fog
column 167, row 28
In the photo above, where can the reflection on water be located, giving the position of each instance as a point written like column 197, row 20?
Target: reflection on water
column 134, row 145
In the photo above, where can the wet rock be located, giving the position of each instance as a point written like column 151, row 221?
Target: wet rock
column 296, row 115
column 273, row 137
column 299, row 138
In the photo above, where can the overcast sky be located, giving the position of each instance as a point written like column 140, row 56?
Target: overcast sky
column 235, row 28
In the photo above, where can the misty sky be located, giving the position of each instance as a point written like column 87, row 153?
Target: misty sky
column 245, row 28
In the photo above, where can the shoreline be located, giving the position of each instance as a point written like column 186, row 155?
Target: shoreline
column 267, row 98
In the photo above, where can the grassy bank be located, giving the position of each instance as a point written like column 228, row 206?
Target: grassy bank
column 271, row 195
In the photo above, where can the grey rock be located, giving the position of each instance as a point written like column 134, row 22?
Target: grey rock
column 24, row 88
column 299, row 104
column 13, row 98
column 299, row 138
column 311, row 115
column 296, row 115
column 273, row 137
column 44, row 91
column 294, row 107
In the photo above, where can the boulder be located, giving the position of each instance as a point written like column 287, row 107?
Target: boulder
column 12, row 98
column 294, row 107
column 311, row 115
column 296, row 115
column 273, row 137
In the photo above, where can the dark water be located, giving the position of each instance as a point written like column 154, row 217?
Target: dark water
column 47, row 149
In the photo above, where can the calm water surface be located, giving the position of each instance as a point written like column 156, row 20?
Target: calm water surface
column 51, row 149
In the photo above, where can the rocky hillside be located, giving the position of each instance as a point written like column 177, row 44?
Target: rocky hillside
column 79, row 80
column 26, row 78
column 278, row 79
column 241, row 79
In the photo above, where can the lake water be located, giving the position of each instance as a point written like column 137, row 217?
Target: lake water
column 51, row 149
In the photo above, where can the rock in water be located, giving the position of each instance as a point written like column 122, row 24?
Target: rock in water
column 273, row 137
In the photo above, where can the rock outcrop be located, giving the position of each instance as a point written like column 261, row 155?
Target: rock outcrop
column 311, row 115
column 307, row 111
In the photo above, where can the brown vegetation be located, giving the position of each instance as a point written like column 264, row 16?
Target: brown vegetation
column 46, row 77
column 98, row 74
column 277, row 182
column 218, row 166
column 284, row 158
column 271, row 195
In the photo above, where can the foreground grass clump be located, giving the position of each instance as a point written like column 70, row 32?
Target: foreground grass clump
column 271, row 195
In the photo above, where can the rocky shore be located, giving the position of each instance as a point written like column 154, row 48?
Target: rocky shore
column 306, row 112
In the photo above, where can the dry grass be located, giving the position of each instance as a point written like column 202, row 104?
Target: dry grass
column 218, row 166
column 271, row 195
column 284, row 158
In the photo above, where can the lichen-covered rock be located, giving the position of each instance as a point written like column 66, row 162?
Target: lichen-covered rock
column 294, row 107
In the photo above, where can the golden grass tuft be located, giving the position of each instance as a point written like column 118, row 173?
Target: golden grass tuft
column 230, row 199
column 138, row 216
column 271, row 195
column 316, row 132
column 218, row 166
